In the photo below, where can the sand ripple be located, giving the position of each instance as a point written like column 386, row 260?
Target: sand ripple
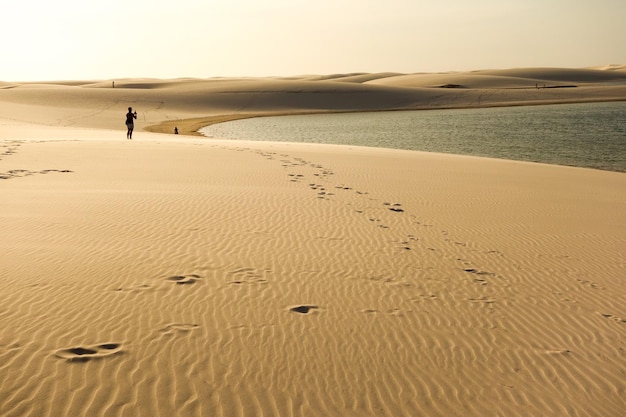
column 265, row 280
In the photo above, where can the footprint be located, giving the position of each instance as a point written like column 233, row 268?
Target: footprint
column 179, row 327
column 477, row 272
column 558, row 352
column 45, row 171
column 184, row 279
column 423, row 297
column 395, row 207
column 590, row 284
column 482, row 299
column 395, row 312
column 614, row 318
column 304, row 309
column 244, row 275
column 85, row 354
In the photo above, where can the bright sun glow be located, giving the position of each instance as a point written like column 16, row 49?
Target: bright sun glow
column 70, row 39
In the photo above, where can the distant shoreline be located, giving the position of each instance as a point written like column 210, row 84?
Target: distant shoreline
column 192, row 126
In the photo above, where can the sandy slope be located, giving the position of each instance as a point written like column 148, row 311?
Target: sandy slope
column 97, row 104
column 180, row 276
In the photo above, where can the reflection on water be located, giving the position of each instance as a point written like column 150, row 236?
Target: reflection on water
column 586, row 135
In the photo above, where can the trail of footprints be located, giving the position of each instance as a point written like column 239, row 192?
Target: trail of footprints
column 8, row 148
column 18, row 173
column 319, row 179
column 319, row 182
column 246, row 276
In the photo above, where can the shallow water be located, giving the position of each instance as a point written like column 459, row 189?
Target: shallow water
column 590, row 135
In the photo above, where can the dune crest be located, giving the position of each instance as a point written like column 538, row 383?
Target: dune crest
column 163, row 104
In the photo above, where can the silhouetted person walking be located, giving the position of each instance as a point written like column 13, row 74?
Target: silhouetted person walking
column 130, row 124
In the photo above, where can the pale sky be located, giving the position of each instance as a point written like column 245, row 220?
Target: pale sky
column 109, row 39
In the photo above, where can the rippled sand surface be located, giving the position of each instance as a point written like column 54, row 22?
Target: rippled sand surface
column 181, row 276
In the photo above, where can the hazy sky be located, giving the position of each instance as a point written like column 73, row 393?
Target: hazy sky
column 107, row 39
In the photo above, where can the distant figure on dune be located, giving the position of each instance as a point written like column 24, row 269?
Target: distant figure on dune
column 130, row 124
column 175, row 130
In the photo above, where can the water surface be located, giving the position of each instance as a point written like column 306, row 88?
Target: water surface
column 590, row 135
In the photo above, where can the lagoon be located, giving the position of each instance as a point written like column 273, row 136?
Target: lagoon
column 589, row 135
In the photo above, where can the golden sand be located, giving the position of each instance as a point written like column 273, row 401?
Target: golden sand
column 182, row 276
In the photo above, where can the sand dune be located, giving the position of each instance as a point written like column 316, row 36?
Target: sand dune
column 512, row 78
column 97, row 104
column 611, row 67
column 181, row 276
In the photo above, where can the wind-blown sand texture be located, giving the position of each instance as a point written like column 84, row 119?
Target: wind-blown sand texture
column 182, row 276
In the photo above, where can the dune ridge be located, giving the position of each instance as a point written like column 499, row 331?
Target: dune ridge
column 182, row 276
column 183, row 102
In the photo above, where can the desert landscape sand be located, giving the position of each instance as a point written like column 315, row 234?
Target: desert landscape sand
column 175, row 275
